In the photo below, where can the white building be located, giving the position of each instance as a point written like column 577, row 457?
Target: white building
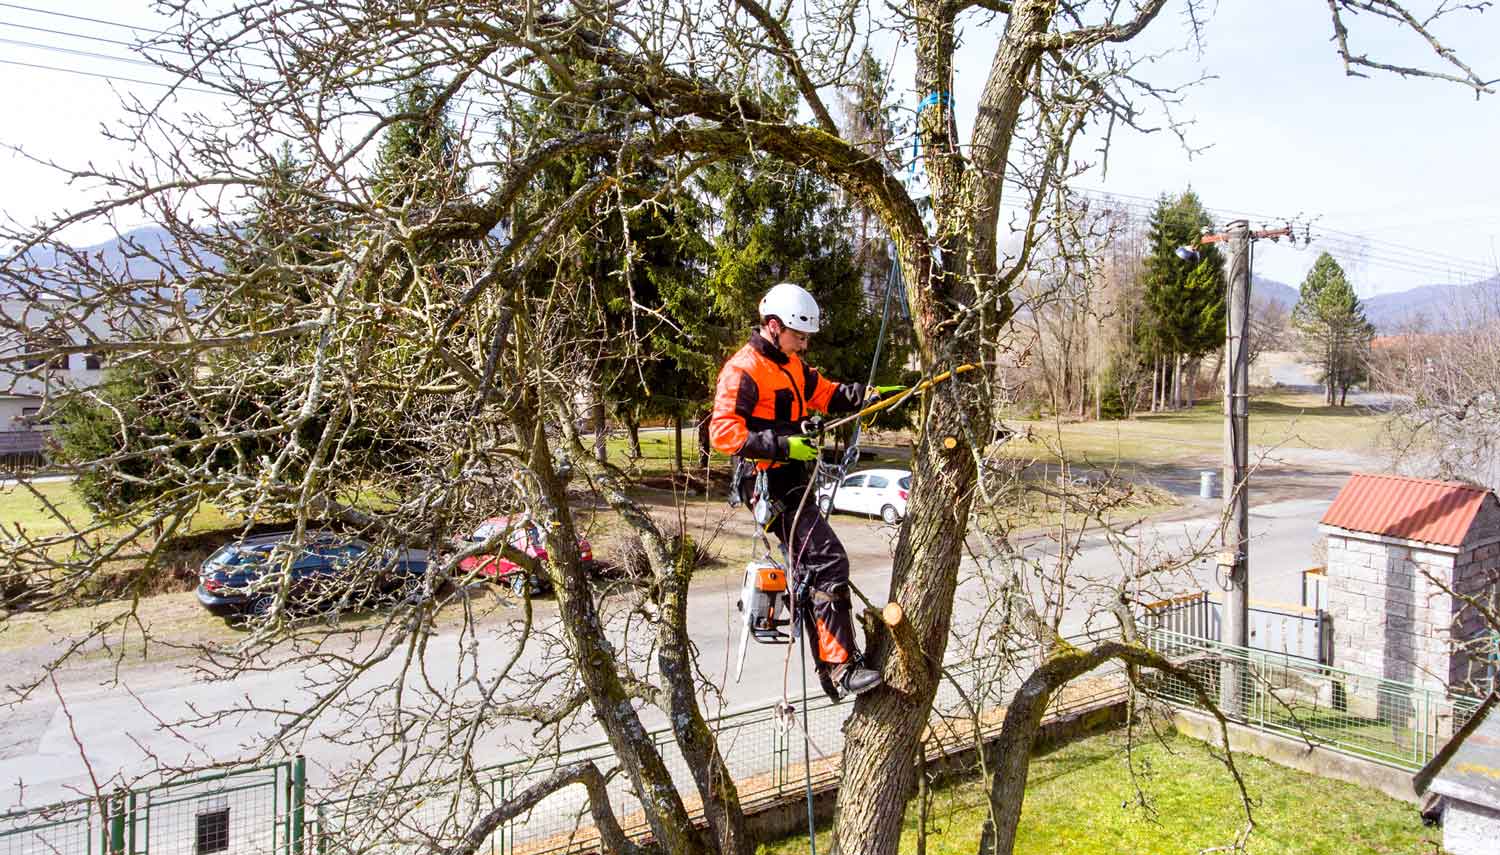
column 26, row 384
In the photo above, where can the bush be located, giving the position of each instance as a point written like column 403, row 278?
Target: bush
column 627, row 553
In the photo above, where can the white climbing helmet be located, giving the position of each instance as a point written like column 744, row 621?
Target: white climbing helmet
column 790, row 302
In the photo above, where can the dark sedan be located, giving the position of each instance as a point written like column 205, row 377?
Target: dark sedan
column 326, row 572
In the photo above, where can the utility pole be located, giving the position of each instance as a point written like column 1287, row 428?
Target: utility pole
column 1236, row 532
column 1234, row 559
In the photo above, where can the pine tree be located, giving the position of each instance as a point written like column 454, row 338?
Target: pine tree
column 1184, row 299
column 1335, row 332
column 782, row 225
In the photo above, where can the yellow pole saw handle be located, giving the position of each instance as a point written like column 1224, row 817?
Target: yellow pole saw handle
column 884, row 403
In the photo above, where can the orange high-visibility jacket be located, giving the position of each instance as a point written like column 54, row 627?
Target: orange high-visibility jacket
column 762, row 397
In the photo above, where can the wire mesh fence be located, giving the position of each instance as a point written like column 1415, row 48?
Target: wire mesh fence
column 251, row 811
column 1389, row 721
column 764, row 749
column 69, row 827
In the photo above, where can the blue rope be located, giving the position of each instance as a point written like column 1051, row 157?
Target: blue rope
column 933, row 99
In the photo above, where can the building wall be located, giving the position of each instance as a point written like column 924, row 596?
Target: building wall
column 1477, row 583
column 1470, row 829
column 21, row 386
column 1390, row 620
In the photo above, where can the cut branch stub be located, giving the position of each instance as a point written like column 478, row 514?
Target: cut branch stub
column 894, row 650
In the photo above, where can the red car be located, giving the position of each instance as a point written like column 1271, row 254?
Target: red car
column 526, row 536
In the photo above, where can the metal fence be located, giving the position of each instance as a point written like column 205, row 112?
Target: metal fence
column 1392, row 722
column 764, row 752
column 1300, row 631
column 252, row 811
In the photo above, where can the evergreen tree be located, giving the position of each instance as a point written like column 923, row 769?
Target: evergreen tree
column 1184, row 316
column 1335, row 333
column 781, row 225
column 639, row 259
column 283, row 254
column 418, row 160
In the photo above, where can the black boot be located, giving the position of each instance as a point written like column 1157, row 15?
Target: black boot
column 854, row 678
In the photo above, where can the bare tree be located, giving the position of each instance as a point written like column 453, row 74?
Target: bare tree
column 1446, row 392
column 365, row 384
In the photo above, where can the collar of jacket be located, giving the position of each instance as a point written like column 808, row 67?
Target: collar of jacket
column 767, row 349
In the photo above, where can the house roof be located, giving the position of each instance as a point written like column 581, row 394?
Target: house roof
column 1439, row 512
column 1468, row 766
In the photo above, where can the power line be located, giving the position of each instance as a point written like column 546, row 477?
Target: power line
column 113, row 77
column 56, row 14
column 1373, row 251
column 76, row 52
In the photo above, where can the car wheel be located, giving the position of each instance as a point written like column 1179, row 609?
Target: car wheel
column 890, row 515
column 263, row 606
column 825, row 504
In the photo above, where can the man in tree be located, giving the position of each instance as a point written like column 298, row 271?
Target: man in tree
column 764, row 392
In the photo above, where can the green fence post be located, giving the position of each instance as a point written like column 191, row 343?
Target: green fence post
column 299, row 802
column 117, row 824
column 131, row 809
column 322, row 831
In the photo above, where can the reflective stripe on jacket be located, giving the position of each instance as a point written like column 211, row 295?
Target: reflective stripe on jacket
column 764, row 394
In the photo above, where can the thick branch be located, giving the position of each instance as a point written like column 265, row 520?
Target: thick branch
column 789, row 55
column 588, row 775
column 1088, row 37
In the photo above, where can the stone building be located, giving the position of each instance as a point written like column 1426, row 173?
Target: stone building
column 1404, row 555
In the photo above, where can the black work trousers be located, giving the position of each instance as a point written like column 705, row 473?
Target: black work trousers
column 814, row 554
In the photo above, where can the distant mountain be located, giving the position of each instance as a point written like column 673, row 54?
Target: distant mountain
column 142, row 254
column 1270, row 289
column 1438, row 307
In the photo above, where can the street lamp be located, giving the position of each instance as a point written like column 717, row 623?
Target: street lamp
column 1188, row 254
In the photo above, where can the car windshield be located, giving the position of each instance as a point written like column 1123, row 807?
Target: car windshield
column 239, row 555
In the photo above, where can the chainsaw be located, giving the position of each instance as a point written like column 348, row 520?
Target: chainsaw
column 766, row 607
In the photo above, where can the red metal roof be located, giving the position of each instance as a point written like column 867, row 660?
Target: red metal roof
column 1438, row 512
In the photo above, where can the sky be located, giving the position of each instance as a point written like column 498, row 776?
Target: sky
column 1399, row 179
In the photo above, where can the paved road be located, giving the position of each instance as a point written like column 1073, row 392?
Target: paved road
column 118, row 725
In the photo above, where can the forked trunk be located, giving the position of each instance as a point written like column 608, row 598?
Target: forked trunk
column 883, row 736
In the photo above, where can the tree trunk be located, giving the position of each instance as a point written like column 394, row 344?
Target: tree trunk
column 677, row 443
column 1328, row 372
column 595, row 659
column 1176, row 381
column 601, row 437
column 675, row 660
column 704, row 442
column 883, row 734
column 1155, row 379
column 632, row 420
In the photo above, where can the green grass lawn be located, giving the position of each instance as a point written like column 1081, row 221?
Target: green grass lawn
column 19, row 506
column 1081, row 801
column 1277, row 419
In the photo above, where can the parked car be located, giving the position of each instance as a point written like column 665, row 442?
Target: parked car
column 526, row 536
column 878, row 492
column 328, row 571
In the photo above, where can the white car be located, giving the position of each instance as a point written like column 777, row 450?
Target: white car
column 878, row 492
